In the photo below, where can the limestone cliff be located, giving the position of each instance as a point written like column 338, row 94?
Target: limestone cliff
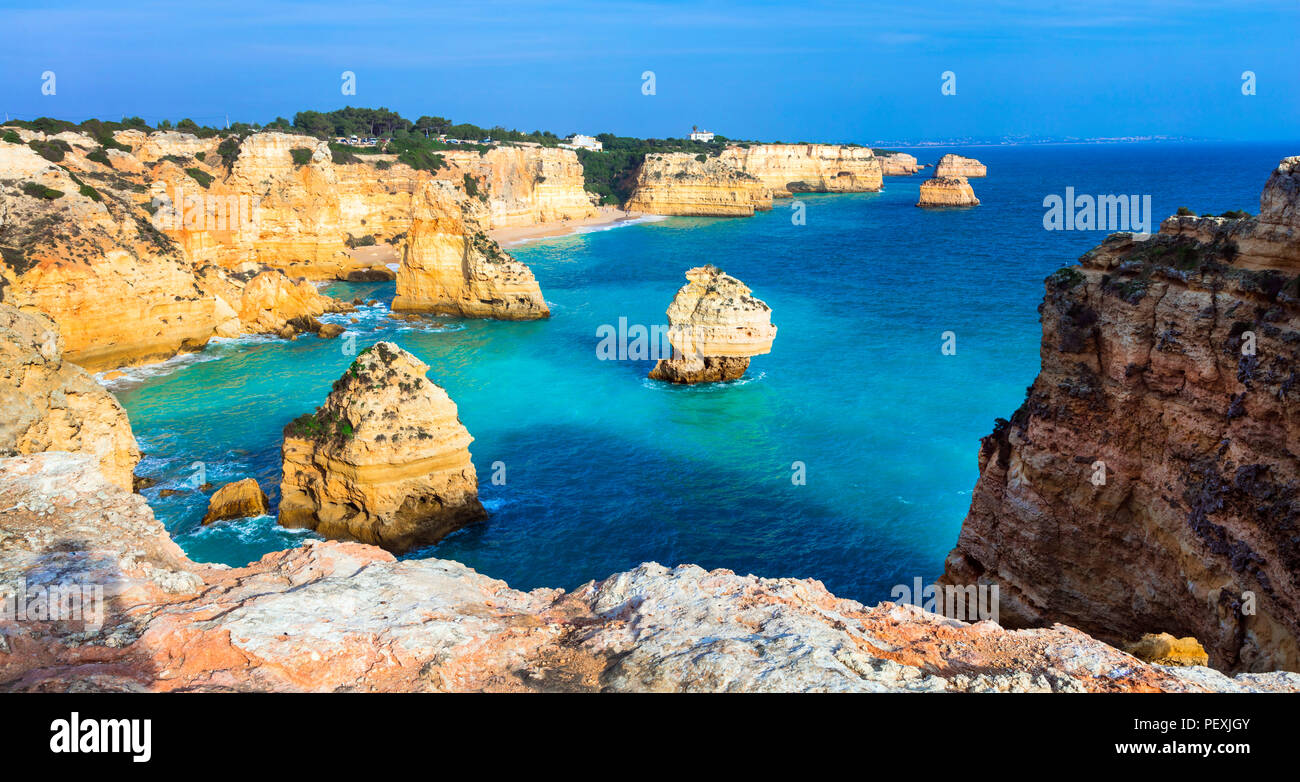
column 138, row 256
column 51, row 404
column 526, row 184
column 715, row 326
column 678, row 183
column 958, row 166
column 947, row 191
column 808, row 168
column 385, row 460
column 1148, row 483
column 452, row 267
column 348, row 617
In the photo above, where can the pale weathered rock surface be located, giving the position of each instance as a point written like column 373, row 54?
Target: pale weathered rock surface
column 385, row 460
column 958, row 166
column 49, row 404
column 1169, row 368
column 898, row 163
column 947, row 191
column 808, row 168
column 525, row 184
column 238, row 500
column 715, row 326
column 348, row 617
column 679, row 183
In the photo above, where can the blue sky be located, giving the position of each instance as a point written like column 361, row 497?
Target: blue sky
column 854, row 71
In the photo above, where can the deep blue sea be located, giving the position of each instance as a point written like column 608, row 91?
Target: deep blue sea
column 605, row 469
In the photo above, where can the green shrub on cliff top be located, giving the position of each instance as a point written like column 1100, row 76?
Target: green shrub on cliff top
column 12, row 137
column 301, row 155
column 37, row 190
column 200, row 176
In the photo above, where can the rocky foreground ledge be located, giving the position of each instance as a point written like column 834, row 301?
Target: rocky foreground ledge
column 349, row 617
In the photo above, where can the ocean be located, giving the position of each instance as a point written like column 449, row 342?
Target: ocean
column 847, row 454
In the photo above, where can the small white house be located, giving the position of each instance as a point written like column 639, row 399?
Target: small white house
column 579, row 141
column 702, row 135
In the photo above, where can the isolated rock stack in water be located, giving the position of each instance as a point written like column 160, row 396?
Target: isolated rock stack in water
column 808, row 168
column 958, row 166
column 384, row 461
column 897, row 164
column 949, row 186
column 1150, row 483
column 49, row 404
column 452, row 267
column 715, row 326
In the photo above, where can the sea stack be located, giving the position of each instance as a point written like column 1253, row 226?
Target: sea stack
column 956, row 165
column 947, row 191
column 715, row 326
column 238, row 500
column 452, row 267
column 384, row 461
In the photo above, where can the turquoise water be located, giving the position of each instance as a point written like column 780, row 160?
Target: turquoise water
column 605, row 469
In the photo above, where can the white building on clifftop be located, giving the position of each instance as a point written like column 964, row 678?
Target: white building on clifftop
column 701, row 135
column 579, row 141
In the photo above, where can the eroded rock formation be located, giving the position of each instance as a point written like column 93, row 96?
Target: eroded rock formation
column 947, row 191
column 808, row 168
column 238, row 500
column 139, row 256
column 1149, row 481
column 348, row 617
column 679, row 183
column 385, row 460
column 452, row 267
column 49, row 404
column 526, row 184
column 958, row 166
column 898, row 163
column 715, row 327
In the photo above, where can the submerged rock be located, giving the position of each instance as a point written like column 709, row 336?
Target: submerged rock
column 238, row 500
column 715, row 326
column 385, row 460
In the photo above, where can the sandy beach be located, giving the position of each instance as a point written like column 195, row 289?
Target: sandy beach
column 609, row 215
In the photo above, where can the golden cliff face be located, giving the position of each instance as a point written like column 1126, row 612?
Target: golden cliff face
column 1148, row 483
column 715, row 326
column 452, row 267
column 525, row 184
column 141, row 255
column 947, row 191
column 384, row 461
column 51, row 404
column 679, row 183
column 808, row 168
